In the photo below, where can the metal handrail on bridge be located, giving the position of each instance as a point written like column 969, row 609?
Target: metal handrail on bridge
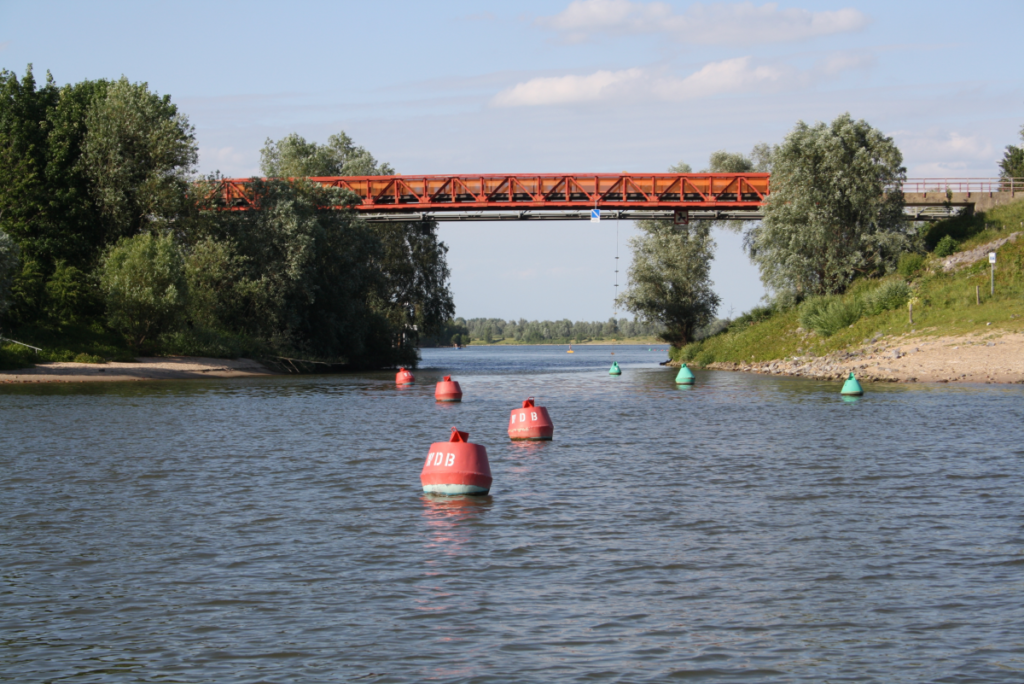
column 963, row 185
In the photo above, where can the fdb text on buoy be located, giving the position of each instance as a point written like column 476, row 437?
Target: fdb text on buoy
column 456, row 467
column 530, row 422
column 403, row 377
column 448, row 390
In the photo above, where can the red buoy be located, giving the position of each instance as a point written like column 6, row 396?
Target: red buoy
column 404, row 377
column 448, row 390
column 530, row 422
column 456, row 467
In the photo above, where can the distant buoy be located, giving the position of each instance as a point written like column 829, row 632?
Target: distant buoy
column 448, row 390
column 403, row 377
column 530, row 422
column 615, row 370
column 456, row 467
column 684, row 376
column 852, row 388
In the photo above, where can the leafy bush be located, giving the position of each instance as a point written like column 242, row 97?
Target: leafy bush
column 8, row 265
column 88, row 358
column 946, row 246
column 910, row 263
column 715, row 327
column 14, row 356
column 827, row 315
column 67, row 293
column 887, row 296
column 143, row 278
column 756, row 315
column 705, row 358
column 687, row 353
column 206, row 342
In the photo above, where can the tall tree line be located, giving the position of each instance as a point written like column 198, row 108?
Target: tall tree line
column 104, row 223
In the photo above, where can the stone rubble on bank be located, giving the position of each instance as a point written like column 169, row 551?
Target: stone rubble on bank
column 995, row 357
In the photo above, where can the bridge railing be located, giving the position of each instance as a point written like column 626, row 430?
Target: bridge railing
column 963, row 185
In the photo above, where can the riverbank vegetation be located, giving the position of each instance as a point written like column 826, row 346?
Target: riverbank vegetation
column 840, row 260
column 945, row 302
column 110, row 245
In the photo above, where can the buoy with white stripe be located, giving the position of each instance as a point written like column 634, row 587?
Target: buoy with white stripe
column 456, row 467
column 404, row 377
column 530, row 422
column 685, row 376
column 448, row 390
column 615, row 370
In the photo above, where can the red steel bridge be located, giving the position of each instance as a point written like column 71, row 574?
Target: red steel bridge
column 495, row 197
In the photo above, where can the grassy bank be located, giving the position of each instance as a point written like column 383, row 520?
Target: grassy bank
column 944, row 303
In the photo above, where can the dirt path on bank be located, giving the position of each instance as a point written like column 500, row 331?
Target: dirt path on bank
column 146, row 368
column 988, row 357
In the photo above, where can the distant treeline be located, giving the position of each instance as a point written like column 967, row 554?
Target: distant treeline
column 489, row 330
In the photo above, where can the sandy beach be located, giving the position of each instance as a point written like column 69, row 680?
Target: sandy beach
column 145, row 368
column 989, row 357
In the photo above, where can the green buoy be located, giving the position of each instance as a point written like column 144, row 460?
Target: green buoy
column 852, row 388
column 615, row 370
column 685, row 376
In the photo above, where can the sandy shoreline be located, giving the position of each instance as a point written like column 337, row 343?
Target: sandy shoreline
column 987, row 357
column 145, row 368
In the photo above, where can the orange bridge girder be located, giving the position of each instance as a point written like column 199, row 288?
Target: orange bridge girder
column 439, row 194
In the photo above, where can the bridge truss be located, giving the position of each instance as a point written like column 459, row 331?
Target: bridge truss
column 536, row 196
column 518, row 197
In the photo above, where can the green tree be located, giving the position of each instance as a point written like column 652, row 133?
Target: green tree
column 1012, row 164
column 669, row 279
column 143, row 279
column 68, row 294
column 415, row 270
column 303, row 278
column 416, row 298
column 835, row 210
column 8, row 268
column 138, row 153
column 293, row 157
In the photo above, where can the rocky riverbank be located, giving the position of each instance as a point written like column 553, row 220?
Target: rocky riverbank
column 995, row 357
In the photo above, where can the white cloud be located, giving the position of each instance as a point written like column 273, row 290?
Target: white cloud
column 714, row 23
column 568, row 89
column 227, row 158
column 947, row 153
column 738, row 75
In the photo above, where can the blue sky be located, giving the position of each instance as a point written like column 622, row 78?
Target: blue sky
column 590, row 85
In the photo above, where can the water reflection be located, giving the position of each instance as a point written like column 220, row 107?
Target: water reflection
column 450, row 520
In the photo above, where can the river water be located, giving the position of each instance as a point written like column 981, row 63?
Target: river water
column 750, row 529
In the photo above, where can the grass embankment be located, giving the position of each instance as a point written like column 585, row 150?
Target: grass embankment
column 944, row 302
